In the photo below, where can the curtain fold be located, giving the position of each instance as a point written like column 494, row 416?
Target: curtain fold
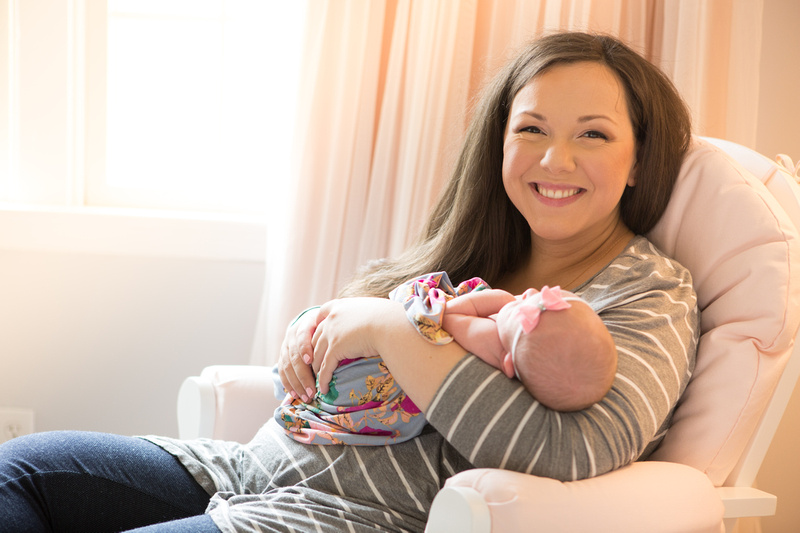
column 334, row 135
column 711, row 50
column 385, row 93
column 425, row 107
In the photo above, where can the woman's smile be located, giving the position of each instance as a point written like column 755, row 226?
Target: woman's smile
column 556, row 192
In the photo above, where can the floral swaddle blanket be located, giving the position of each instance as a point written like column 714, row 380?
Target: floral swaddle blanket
column 364, row 405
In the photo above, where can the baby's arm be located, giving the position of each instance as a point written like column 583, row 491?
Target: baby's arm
column 467, row 319
column 483, row 303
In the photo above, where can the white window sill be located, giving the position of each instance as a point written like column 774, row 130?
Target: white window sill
column 132, row 232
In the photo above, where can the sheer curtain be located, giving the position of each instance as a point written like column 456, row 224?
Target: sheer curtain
column 386, row 87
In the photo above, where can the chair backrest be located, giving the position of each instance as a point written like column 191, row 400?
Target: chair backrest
column 733, row 222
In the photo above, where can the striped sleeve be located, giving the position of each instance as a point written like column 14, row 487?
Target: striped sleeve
column 648, row 304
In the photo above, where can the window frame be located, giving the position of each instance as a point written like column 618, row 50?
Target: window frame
column 43, row 109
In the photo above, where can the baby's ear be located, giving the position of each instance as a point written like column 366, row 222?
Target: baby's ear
column 508, row 366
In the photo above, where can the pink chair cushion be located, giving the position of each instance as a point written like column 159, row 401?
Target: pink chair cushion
column 646, row 496
column 743, row 251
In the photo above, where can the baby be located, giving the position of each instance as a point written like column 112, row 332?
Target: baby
column 565, row 358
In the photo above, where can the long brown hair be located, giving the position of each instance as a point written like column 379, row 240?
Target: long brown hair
column 474, row 229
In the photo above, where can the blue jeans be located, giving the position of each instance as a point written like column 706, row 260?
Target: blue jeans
column 77, row 481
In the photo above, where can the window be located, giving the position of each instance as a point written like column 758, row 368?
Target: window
column 167, row 104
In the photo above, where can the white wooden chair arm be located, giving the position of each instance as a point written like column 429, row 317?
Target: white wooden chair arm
column 740, row 502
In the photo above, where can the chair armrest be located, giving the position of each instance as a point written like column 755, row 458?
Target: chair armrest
column 196, row 409
column 747, row 501
column 657, row 497
column 461, row 509
column 227, row 402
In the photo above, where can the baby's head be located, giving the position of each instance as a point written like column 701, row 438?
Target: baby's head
column 561, row 350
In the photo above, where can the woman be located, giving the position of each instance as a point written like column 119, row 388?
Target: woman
column 571, row 157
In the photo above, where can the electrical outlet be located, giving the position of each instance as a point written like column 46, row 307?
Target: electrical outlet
column 15, row 422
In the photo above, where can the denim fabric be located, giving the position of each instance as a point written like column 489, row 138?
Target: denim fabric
column 80, row 481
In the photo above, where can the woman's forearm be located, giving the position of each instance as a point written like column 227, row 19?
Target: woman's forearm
column 417, row 365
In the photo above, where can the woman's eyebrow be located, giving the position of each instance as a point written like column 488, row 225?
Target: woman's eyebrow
column 533, row 114
column 587, row 118
column 581, row 119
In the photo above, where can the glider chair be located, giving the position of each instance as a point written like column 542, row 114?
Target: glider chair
column 733, row 221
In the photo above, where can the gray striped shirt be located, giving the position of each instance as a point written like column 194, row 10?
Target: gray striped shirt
column 478, row 418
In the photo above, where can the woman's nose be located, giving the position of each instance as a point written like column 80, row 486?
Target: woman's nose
column 558, row 158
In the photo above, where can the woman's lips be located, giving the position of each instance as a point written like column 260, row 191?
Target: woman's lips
column 550, row 192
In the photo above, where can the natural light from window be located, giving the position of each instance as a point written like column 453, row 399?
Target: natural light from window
column 200, row 99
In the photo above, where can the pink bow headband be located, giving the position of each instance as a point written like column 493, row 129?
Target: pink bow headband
column 529, row 311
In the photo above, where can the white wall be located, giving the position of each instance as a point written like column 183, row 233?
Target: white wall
column 101, row 341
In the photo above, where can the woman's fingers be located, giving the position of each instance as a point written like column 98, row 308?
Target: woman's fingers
column 319, row 342
column 297, row 348
column 291, row 383
column 326, row 375
column 325, row 362
column 304, row 331
column 294, row 374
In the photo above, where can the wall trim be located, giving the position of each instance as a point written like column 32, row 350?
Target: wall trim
column 133, row 232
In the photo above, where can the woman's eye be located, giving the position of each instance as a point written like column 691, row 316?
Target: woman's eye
column 530, row 129
column 593, row 134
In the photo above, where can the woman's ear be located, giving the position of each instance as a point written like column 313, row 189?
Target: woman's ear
column 632, row 175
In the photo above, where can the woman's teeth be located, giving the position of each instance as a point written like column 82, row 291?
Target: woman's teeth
column 556, row 194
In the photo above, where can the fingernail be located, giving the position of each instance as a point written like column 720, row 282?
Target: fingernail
column 307, row 359
column 294, row 395
column 310, row 392
column 305, row 398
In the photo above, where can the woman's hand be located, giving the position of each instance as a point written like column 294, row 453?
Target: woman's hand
column 365, row 327
column 346, row 329
column 297, row 353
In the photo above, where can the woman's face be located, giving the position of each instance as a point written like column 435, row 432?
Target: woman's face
column 569, row 151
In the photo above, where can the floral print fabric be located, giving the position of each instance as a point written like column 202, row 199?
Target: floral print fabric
column 424, row 299
column 364, row 405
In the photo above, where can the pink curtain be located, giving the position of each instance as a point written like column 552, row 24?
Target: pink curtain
column 711, row 49
column 385, row 93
